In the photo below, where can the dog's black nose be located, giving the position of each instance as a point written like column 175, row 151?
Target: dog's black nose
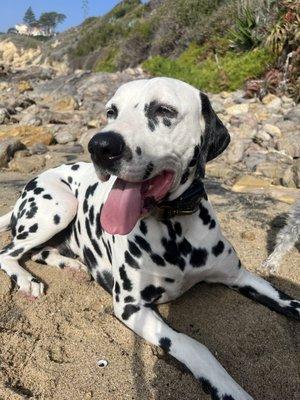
column 106, row 148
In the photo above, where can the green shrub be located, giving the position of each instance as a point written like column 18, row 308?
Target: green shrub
column 229, row 72
column 108, row 61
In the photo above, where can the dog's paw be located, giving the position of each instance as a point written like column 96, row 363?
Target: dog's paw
column 31, row 288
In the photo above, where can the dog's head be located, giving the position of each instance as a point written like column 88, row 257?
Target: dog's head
column 160, row 131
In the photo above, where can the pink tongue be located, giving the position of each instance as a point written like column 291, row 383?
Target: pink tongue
column 122, row 208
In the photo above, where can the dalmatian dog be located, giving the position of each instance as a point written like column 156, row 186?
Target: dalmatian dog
column 139, row 219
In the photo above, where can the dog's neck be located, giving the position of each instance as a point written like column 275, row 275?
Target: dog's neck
column 185, row 203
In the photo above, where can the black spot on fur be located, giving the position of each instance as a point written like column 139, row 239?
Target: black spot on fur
column 45, row 254
column 212, row 224
column 204, row 214
column 31, row 185
column 108, row 250
column 117, row 291
column 100, row 279
column 127, row 285
column 56, row 219
column 143, row 243
column 31, row 213
column 170, row 280
column 96, row 247
column 184, row 177
column 22, row 205
column 91, row 215
column 209, row 389
column 134, row 250
column 13, row 224
column 75, row 167
column 158, row 260
column 21, row 228
column 129, row 299
column 178, row 228
column 89, row 258
column 108, row 281
column 165, row 343
column 33, row 228
column 47, row 196
column 172, row 254
column 143, row 227
column 17, row 252
column 38, row 190
column 22, row 236
column 148, row 170
column 130, row 260
column 151, row 293
column 70, row 179
column 218, row 248
column 85, row 206
column 198, row 257
column 129, row 309
column 98, row 225
column 138, row 150
column 184, row 247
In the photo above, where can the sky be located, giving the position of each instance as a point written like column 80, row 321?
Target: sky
column 12, row 11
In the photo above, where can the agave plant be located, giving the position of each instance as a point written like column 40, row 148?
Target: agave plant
column 285, row 34
column 242, row 36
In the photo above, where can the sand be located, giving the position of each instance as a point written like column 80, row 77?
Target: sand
column 49, row 348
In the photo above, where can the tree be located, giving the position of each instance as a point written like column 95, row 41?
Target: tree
column 29, row 17
column 50, row 20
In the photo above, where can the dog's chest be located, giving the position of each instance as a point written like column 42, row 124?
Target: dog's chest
column 167, row 253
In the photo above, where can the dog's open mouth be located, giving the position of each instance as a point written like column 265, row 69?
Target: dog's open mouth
column 128, row 201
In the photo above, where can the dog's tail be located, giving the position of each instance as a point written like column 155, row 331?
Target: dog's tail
column 5, row 222
column 286, row 238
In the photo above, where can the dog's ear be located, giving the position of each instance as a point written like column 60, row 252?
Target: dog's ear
column 216, row 137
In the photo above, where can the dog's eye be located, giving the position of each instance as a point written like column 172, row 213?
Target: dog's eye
column 112, row 112
column 165, row 111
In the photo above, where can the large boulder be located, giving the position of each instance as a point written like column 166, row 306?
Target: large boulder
column 28, row 135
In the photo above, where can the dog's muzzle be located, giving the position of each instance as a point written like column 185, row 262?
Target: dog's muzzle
column 106, row 148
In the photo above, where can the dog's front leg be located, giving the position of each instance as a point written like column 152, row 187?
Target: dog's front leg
column 147, row 323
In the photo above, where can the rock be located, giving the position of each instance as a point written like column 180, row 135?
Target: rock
column 238, row 109
column 24, row 86
column 296, row 170
column 67, row 103
column 294, row 114
column 8, row 147
column 272, row 102
column 272, row 130
column 25, row 163
column 235, row 152
column 251, row 184
column 262, row 136
column 69, row 149
column 219, row 170
column 290, row 144
column 38, row 148
column 253, row 159
column 271, row 170
column 64, row 136
column 288, row 178
column 29, row 119
column 4, row 116
column 29, row 135
column 287, row 126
